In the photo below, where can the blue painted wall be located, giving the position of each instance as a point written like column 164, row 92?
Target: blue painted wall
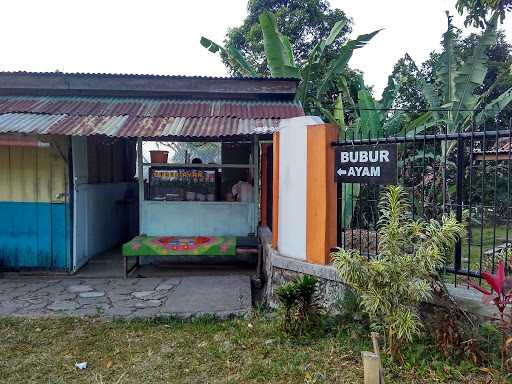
column 34, row 235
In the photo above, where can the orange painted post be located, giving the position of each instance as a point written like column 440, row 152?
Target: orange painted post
column 320, row 193
column 275, row 191
column 264, row 184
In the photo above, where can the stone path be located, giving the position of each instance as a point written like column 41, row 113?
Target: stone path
column 131, row 298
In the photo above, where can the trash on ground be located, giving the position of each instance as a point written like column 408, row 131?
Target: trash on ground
column 81, row 365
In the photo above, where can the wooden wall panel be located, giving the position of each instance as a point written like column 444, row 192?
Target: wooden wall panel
column 32, row 174
column 43, row 167
column 5, row 174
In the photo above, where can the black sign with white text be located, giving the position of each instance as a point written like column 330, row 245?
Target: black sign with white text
column 366, row 164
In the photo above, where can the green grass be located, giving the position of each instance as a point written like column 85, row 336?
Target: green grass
column 483, row 240
column 202, row 351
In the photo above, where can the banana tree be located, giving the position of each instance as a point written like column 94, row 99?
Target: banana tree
column 453, row 104
column 316, row 75
column 367, row 120
column 370, row 118
column 456, row 107
column 316, row 78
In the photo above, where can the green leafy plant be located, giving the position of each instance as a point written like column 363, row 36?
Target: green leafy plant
column 479, row 10
column 316, row 75
column 300, row 310
column 500, row 296
column 397, row 280
column 489, row 263
column 452, row 100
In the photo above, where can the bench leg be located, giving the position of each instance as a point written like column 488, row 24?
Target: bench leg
column 127, row 270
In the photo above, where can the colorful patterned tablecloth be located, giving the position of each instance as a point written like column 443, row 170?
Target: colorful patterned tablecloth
column 180, row 246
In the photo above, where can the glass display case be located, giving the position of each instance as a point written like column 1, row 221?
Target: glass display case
column 184, row 184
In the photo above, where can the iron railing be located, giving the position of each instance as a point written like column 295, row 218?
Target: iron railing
column 468, row 173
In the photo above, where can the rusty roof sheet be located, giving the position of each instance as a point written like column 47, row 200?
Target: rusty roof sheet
column 140, row 117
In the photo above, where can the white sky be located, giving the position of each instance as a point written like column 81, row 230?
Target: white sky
column 162, row 36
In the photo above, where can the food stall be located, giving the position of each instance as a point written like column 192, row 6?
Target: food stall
column 188, row 208
column 187, row 199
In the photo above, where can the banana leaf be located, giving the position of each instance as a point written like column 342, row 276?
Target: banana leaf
column 389, row 93
column 288, row 49
column 343, row 85
column 447, row 68
column 333, row 35
column 494, row 107
column 339, row 115
column 343, row 58
column 277, row 48
column 313, row 60
column 471, row 75
column 369, row 118
column 235, row 57
column 394, row 124
column 419, row 124
column 349, row 196
column 329, row 114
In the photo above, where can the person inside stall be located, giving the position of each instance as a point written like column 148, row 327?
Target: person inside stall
column 197, row 160
column 243, row 190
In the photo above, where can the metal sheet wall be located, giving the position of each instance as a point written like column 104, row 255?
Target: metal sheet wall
column 34, row 215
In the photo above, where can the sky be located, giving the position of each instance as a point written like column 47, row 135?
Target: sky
column 162, row 36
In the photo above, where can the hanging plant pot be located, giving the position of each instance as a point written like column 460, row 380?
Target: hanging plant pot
column 159, row 156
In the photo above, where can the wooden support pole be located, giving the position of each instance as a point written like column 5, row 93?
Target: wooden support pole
column 376, row 350
column 140, row 172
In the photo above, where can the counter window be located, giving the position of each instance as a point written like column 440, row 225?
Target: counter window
column 178, row 171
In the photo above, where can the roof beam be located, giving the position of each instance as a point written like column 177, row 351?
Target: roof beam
column 77, row 84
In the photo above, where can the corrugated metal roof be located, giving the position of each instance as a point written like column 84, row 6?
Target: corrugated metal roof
column 140, row 117
column 148, row 75
column 148, row 107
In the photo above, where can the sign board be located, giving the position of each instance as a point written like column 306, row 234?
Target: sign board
column 366, row 164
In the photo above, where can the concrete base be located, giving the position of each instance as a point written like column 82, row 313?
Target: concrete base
column 279, row 269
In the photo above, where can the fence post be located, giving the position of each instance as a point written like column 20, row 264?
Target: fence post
column 459, row 198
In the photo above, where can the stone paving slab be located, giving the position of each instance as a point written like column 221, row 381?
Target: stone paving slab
column 185, row 296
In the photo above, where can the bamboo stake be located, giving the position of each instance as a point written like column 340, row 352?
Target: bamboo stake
column 371, row 368
column 376, row 350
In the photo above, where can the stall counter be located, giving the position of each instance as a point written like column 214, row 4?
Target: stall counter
column 196, row 218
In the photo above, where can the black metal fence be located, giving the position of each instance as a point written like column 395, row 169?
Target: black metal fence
column 465, row 172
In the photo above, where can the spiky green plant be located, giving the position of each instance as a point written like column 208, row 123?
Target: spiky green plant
column 393, row 284
column 286, row 295
column 299, row 307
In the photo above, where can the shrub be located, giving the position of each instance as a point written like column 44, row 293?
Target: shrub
column 299, row 307
column 500, row 296
column 489, row 263
column 394, row 283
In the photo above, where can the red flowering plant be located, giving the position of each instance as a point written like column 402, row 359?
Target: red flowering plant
column 501, row 294
column 501, row 297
